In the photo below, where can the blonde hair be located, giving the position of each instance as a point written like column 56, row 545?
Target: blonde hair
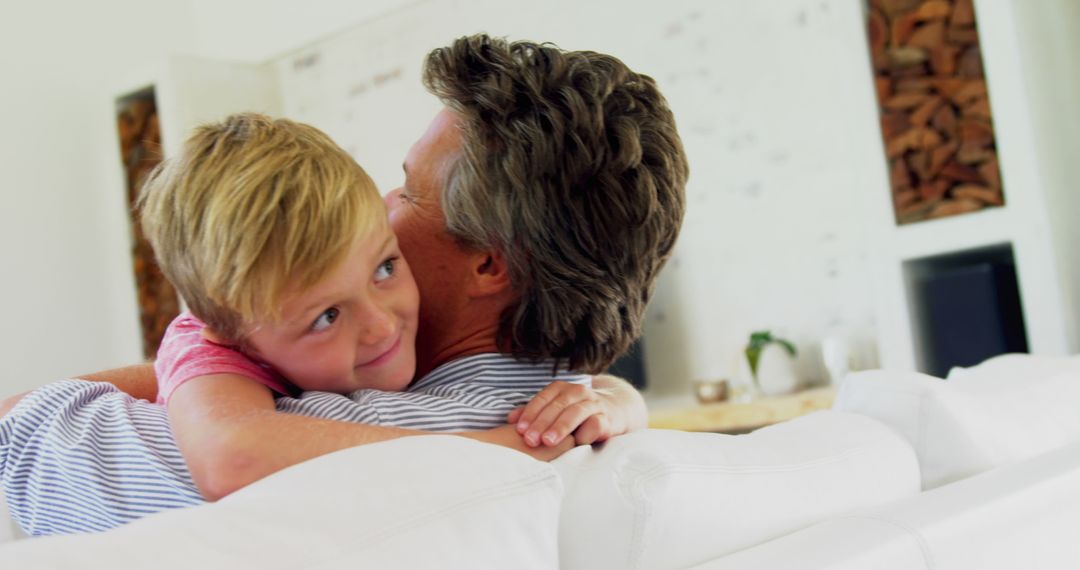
column 250, row 209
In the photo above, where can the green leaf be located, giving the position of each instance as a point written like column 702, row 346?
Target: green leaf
column 753, row 354
column 760, row 338
column 790, row 348
column 756, row 345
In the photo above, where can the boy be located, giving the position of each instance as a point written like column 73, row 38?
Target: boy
column 279, row 244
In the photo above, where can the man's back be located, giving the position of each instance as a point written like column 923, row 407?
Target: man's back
column 81, row 456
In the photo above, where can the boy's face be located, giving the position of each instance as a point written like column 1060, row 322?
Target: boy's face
column 354, row 329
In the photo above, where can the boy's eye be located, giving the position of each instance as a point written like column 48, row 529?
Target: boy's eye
column 385, row 270
column 326, row 319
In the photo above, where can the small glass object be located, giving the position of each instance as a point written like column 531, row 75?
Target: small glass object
column 711, row 391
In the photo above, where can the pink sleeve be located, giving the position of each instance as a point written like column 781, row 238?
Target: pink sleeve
column 185, row 354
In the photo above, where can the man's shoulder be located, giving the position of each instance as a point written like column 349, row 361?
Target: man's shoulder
column 496, row 370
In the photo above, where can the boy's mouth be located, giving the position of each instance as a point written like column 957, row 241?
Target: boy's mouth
column 385, row 356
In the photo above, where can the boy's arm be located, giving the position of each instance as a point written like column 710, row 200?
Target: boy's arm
column 231, row 435
column 592, row 415
column 137, row 380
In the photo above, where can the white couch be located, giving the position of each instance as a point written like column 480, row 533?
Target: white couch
column 906, row 472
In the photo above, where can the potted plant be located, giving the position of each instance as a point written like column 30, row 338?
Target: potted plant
column 757, row 344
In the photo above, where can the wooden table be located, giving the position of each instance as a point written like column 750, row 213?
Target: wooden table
column 731, row 417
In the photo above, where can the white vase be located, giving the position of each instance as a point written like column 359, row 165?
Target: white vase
column 776, row 371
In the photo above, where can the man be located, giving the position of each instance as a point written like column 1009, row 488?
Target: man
column 537, row 211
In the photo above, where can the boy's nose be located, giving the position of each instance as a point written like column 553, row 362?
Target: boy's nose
column 376, row 325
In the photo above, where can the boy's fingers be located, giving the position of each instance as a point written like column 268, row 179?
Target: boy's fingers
column 535, row 406
column 593, row 430
column 545, row 453
column 553, row 394
column 514, row 415
column 570, row 420
column 552, row 453
column 539, row 430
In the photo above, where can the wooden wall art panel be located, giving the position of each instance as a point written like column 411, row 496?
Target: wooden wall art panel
column 140, row 149
column 935, row 112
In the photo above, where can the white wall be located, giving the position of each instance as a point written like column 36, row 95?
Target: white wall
column 1049, row 39
column 254, row 31
column 778, row 115
column 67, row 291
column 787, row 190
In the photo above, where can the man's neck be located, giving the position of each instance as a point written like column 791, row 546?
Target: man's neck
column 430, row 358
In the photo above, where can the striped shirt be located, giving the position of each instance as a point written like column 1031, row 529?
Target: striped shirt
column 80, row 456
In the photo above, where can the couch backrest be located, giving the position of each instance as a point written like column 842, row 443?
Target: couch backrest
column 1006, row 410
column 1022, row 515
column 661, row 499
column 435, row 501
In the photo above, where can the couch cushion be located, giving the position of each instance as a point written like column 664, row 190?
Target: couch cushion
column 1022, row 515
column 1011, row 368
column 974, row 423
column 666, row 499
column 417, row 502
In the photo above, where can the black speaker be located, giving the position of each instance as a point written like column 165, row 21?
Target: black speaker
column 970, row 313
column 631, row 365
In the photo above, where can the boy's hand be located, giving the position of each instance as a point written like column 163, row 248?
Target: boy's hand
column 561, row 409
column 507, row 436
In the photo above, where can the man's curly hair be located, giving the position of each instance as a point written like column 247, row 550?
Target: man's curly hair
column 571, row 168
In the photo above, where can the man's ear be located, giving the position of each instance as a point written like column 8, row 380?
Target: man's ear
column 490, row 275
